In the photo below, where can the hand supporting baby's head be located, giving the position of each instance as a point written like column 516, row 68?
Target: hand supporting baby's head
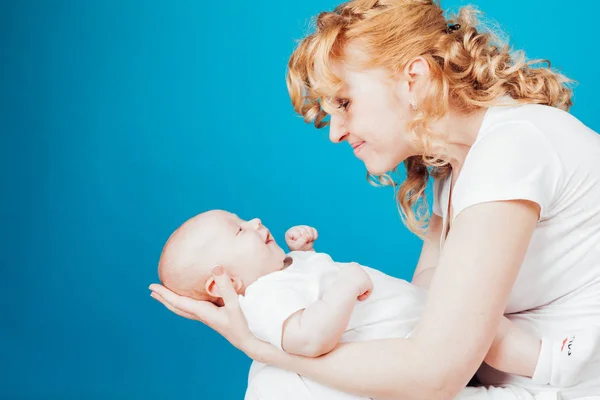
column 245, row 249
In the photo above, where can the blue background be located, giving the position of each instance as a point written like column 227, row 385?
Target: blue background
column 121, row 119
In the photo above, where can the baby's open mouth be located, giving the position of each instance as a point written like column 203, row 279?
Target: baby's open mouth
column 269, row 238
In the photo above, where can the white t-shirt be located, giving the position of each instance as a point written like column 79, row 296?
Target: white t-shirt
column 547, row 156
column 391, row 310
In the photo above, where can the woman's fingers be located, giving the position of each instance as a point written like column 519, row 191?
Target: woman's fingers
column 229, row 320
column 226, row 289
column 203, row 311
column 237, row 331
column 158, row 297
column 173, row 298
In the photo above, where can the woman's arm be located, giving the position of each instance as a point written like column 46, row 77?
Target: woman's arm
column 467, row 297
column 430, row 254
column 513, row 350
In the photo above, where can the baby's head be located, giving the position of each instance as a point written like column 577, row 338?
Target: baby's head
column 245, row 249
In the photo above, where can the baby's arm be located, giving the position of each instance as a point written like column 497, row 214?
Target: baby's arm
column 317, row 329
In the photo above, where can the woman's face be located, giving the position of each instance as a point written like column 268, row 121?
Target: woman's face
column 374, row 110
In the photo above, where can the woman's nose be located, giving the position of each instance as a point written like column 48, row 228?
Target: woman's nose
column 337, row 130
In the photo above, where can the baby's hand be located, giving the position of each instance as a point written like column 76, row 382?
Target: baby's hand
column 358, row 278
column 301, row 238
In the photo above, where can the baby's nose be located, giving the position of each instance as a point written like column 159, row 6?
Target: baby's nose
column 256, row 222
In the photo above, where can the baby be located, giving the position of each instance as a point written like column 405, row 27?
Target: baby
column 305, row 303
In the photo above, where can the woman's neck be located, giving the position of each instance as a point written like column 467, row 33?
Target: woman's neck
column 461, row 132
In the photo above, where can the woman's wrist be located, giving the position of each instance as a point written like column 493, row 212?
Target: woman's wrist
column 263, row 352
column 266, row 353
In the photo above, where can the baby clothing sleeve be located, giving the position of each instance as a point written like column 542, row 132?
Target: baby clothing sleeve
column 273, row 298
column 512, row 161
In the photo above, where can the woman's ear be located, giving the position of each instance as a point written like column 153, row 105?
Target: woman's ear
column 416, row 73
column 213, row 290
column 416, row 69
column 412, row 81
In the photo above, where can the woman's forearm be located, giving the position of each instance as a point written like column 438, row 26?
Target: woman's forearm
column 514, row 350
column 390, row 368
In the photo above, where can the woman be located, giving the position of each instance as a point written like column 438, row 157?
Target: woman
column 516, row 215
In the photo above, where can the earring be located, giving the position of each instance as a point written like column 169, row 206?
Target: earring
column 413, row 103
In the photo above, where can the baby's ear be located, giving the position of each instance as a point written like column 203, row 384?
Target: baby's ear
column 213, row 290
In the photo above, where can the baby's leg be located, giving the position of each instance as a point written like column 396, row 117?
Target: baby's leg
column 269, row 383
column 547, row 361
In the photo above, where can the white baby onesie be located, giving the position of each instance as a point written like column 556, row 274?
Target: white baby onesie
column 392, row 310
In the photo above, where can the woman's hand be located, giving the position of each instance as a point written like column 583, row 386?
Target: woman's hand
column 227, row 320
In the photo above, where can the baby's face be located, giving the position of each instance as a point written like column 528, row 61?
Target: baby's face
column 245, row 249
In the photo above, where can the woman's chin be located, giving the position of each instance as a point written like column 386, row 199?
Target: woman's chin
column 378, row 169
column 382, row 165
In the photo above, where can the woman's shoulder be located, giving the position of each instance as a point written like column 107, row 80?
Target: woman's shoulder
column 536, row 130
column 514, row 157
column 553, row 123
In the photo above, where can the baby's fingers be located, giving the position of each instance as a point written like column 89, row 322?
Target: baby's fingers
column 302, row 241
column 293, row 233
column 305, row 231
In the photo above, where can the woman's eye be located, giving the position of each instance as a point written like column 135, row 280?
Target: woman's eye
column 343, row 103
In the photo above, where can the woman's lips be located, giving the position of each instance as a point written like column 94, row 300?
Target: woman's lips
column 357, row 146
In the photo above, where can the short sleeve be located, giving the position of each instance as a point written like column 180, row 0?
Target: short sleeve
column 512, row 161
column 438, row 186
column 272, row 299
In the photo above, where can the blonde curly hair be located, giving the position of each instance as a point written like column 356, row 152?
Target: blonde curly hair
column 470, row 69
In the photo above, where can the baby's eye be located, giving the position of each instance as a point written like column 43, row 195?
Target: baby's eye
column 238, row 231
